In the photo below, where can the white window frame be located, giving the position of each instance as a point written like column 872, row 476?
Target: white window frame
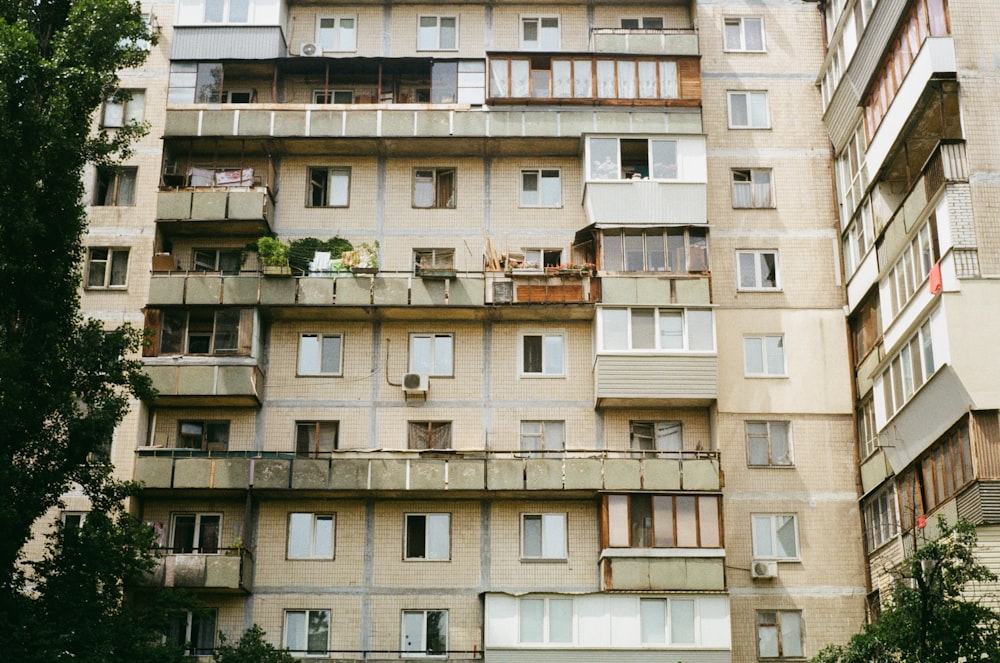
column 607, row 170
column 228, row 96
column 758, row 258
column 438, row 348
column 779, row 625
column 687, row 333
column 419, row 649
column 552, row 534
column 435, row 31
column 544, row 372
column 867, row 428
column 916, row 353
column 227, row 6
column 751, row 121
column 759, row 195
column 338, row 32
column 540, row 175
column 764, row 340
column 767, row 439
column 773, row 522
column 742, row 22
column 116, row 114
column 108, row 263
column 330, row 96
column 640, row 22
column 432, row 521
column 433, row 175
column 73, row 519
column 545, row 625
column 302, row 369
column 329, row 173
column 434, row 258
column 304, row 635
column 543, row 39
column 881, row 516
column 668, row 609
column 535, row 429
column 316, row 545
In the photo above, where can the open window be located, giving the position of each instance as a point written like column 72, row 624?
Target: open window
column 632, row 158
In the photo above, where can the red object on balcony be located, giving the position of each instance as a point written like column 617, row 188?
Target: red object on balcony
column 934, row 278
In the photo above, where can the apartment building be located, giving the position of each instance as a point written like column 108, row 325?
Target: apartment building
column 593, row 398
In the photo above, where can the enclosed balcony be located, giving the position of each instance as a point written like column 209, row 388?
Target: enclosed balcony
column 644, row 41
column 228, row 570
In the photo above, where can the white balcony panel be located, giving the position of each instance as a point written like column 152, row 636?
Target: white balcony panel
column 645, row 202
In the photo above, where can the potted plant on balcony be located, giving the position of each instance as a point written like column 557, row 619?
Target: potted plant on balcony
column 522, row 267
column 363, row 259
column 440, row 271
column 578, row 270
column 273, row 257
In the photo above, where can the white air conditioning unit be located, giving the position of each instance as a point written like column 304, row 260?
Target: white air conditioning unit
column 764, row 569
column 414, row 383
column 310, row 49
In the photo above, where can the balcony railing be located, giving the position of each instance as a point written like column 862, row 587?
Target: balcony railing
column 651, row 41
column 222, row 383
column 229, row 570
column 645, row 202
column 468, row 471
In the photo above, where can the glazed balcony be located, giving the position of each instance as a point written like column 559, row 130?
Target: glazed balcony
column 457, row 472
column 644, row 41
column 230, row 570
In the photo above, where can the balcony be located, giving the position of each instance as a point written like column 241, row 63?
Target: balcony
column 646, row 41
column 215, row 211
column 219, row 383
column 231, row 571
column 645, row 380
column 537, row 286
column 693, row 569
column 644, row 202
column 654, row 289
column 578, row 473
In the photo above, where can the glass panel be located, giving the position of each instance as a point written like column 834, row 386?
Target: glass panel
column 614, row 329
column 519, row 74
column 663, row 519
column 606, row 79
column 664, row 155
column 582, row 79
column 780, row 449
column 733, row 35
column 668, row 436
column 768, row 270
column 531, row 542
column 309, row 354
column 562, row 78
column 532, row 348
column 786, row 536
column 324, row 537
column 633, row 251
column 641, row 521
column 561, row 620
column 295, row 631
column 652, row 619
column 668, row 80
column 626, row 79
column 791, row 634
column 748, row 270
column 775, row 355
column 618, row 521
column 114, row 114
column 708, row 521
column 331, row 354
column 613, row 258
column 739, row 115
column 449, row 33
column 681, row 622
column 753, row 32
column 551, row 189
column 553, row 355
column 540, row 79
column 604, row 159
column 532, row 620
column 184, row 534
column 554, row 438
column 655, row 255
column 319, row 631
column 227, row 324
column 299, row 534
column 444, row 84
column 647, row 79
column 767, row 641
column 762, row 546
column 675, row 250
column 420, row 355
column 529, row 188
column 238, row 11
column 498, row 78
column 687, row 522
column 209, row 83
column 427, row 33
column 671, row 330
column 438, row 534
column 214, row 10
column 437, row 632
column 98, row 266
column 644, row 329
column 554, row 530
column 208, row 534
column 758, row 109
column 443, row 355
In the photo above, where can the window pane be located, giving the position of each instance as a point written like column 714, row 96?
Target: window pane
column 732, row 34
column 299, row 534
column 331, row 354
column 444, row 88
column 791, row 634
column 437, row 632
column 208, row 534
column 604, row 159
column 786, row 536
column 554, row 528
column 780, row 449
column 644, row 329
column 227, row 325
column 626, row 79
column 443, row 355
column 753, row 29
column 767, row 641
column 520, row 74
column 653, row 618
column 532, row 348
column 681, row 622
column 671, row 330
column 668, row 436
column 561, row 620
column 295, row 631
column 664, row 154
column 647, row 79
column 687, row 522
column 748, row 270
column 309, row 354
column 551, row 190
column 553, row 355
column 562, row 78
column 633, row 251
column 606, row 79
column 529, row 28
column 420, row 354
column 663, row 520
column 427, row 33
column 618, row 521
column 613, row 257
column 529, row 188
column 758, row 109
column 676, row 250
column 655, row 255
column 582, row 79
column 762, row 536
column 319, row 631
column 238, row 11
column 449, row 33
column 738, row 112
column 531, row 542
column 98, row 267
column 768, row 270
column 668, row 80
column 708, row 521
column 775, row 355
column 324, row 537
column 437, row 536
column 339, row 187
column 614, row 328
column 532, row 620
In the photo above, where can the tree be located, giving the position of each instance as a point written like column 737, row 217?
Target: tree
column 65, row 382
column 928, row 619
column 251, row 648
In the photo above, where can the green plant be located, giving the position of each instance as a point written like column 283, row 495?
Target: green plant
column 272, row 252
column 302, row 251
column 364, row 256
column 251, row 648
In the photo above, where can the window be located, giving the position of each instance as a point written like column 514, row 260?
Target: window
column 543, row 536
column 779, row 634
column 663, row 521
column 542, row 258
column 315, row 439
column 911, row 269
column 650, row 329
column 72, row 521
column 775, row 537
column 881, row 524
column 432, row 354
column 752, row 188
column 311, row 535
column 425, row 633
column 912, row 366
column 307, row 632
column 758, row 270
column 545, row 621
column 667, row 621
column 195, row 533
column 428, row 435
column 764, row 356
column 632, row 158
column 227, row 261
column 321, row 354
column 202, row 332
column 337, row 33
column 644, row 23
column 584, row 79
column 542, row 355
column 333, row 97
column 867, row 431
column 195, row 83
column 947, row 467
column 329, row 187
column 203, row 435
column 540, row 34
column 107, row 268
column 227, row 11
column 115, row 186
column 193, row 631
column 427, row 536
column 673, row 250
column 866, row 326
column 237, row 96
column 437, row 33
column 748, row 110
column 543, row 436
column 430, row 259
column 655, row 435
column 434, row 188
column 541, row 188
column 769, row 444
column 744, row 34
column 126, row 107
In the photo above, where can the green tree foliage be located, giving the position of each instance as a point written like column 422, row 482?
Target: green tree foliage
column 927, row 618
column 65, row 382
column 251, row 648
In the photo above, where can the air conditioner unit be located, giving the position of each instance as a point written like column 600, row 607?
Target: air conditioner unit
column 414, row 383
column 309, row 49
column 764, row 569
